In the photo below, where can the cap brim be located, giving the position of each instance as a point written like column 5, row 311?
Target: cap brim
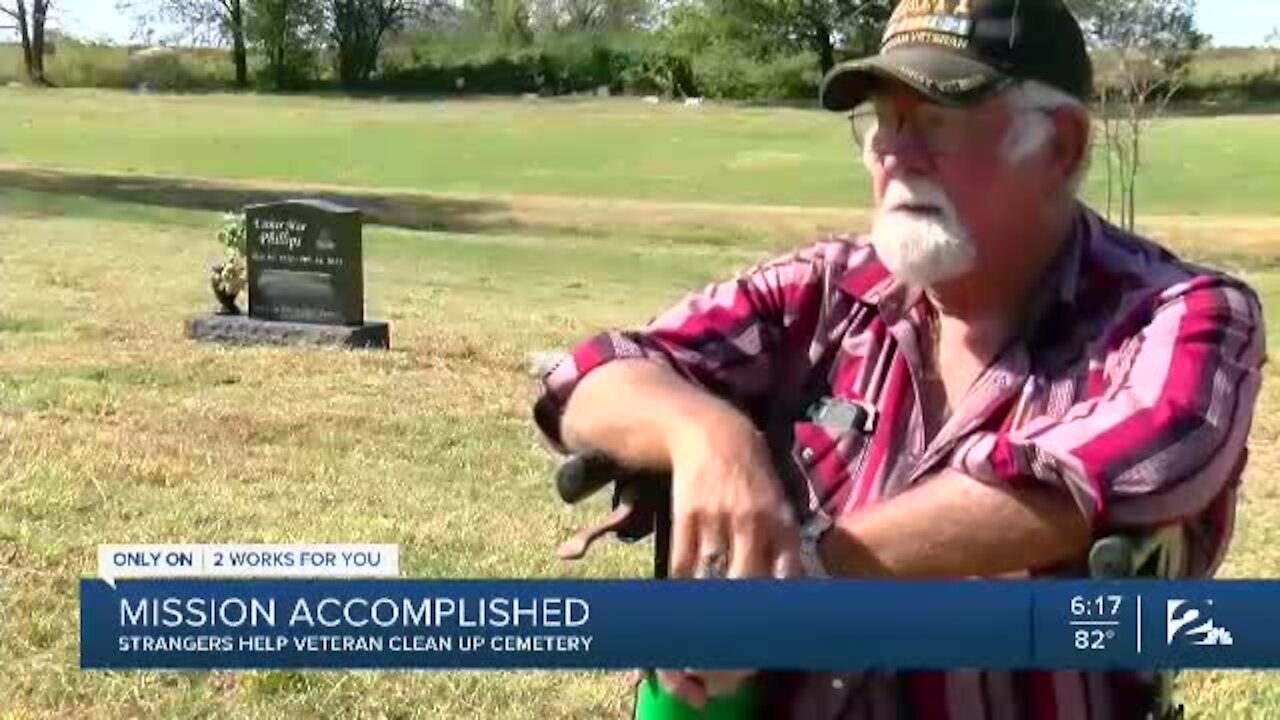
column 942, row 76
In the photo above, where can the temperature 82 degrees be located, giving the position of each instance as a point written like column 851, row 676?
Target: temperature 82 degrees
column 1096, row 630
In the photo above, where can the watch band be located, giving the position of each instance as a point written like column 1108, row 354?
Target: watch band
column 810, row 535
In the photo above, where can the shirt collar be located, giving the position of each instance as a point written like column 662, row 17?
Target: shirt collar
column 873, row 284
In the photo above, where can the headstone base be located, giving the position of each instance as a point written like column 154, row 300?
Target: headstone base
column 244, row 330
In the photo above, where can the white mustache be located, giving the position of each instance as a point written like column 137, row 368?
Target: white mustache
column 901, row 193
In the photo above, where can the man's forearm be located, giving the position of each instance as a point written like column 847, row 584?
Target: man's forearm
column 637, row 410
column 952, row 526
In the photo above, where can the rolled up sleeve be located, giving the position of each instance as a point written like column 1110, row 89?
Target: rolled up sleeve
column 725, row 338
column 1165, row 441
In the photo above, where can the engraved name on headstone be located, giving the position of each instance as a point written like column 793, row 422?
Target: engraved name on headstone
column 304, row 262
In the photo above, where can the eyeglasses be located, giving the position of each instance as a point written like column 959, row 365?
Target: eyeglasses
column 943, row 130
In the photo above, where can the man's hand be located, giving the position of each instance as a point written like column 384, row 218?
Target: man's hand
column 731, row 519
column 730, row 516
column 696, row 688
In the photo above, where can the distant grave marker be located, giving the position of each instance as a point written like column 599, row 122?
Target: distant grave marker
column 305, row 279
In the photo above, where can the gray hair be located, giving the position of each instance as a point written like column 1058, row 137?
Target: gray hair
column 1032, row 129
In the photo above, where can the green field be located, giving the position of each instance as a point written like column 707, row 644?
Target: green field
column 617, row 148
column 115, row 428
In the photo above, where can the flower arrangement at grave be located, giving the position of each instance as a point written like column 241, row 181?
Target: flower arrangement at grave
column 229, row 277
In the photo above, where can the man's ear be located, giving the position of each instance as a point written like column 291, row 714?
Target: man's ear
column 1071, row 139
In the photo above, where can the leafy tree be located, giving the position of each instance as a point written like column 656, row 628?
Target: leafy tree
column 288, row 33
column 358, row 29
column 508, row 20
column 817, row 25
column 768, row 28
column 222, row 21
column 1144, row 50
column 29, row 21
column 573, row 16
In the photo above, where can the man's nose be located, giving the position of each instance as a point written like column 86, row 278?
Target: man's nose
column 905, row 151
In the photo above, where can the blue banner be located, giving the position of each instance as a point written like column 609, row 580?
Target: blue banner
column 625, row 624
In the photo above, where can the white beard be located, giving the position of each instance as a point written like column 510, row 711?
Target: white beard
column 919, row 248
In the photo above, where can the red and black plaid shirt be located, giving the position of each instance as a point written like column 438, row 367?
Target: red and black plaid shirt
column 1132, row 387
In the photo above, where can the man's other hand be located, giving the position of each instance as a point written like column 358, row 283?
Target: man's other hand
column 730, row 517
column 696, row 688
column 730, row 514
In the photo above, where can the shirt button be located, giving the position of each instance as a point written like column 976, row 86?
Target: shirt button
column 837, row 684
column 806, row 454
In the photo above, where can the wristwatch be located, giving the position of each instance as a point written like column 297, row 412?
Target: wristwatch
column 810, row 535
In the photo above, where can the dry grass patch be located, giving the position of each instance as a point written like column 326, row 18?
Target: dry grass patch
column 115, row 428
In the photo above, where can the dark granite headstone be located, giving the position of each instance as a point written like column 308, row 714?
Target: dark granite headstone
column 304, row 262
column 305, row 280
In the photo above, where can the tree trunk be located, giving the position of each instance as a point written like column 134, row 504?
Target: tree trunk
column 39, row 10
column 19, row 16
column 826, row 53
column 1111, row 168
column 239, row 55
column 352, row 27
column 241, row 58
column 281, row 80
column 372, row 52
column 1133, row 176
column 279, row 56
column 1105, row 111
column 1136, row 106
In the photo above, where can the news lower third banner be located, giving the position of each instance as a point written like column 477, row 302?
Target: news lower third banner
column 370, row 623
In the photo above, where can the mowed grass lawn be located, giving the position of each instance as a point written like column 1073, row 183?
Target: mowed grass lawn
column 589, row 148
column 115, row 428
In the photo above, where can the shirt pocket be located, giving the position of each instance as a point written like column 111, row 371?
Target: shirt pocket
column 831, row 461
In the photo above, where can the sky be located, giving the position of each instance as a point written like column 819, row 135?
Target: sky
column 1230, row 22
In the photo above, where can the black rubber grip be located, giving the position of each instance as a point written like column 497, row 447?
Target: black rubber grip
column 582, row 475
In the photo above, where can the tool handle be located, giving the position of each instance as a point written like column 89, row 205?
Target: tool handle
column 584, row 474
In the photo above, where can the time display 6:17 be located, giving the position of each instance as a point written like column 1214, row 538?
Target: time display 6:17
column 1102, row 606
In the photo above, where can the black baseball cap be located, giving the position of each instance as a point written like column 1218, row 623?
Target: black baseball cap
column 959, row 52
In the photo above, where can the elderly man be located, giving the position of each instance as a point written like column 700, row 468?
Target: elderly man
column 989, row 380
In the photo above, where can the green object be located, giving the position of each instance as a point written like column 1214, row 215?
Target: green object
column 654, row 702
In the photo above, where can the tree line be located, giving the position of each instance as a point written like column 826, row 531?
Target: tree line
column 287, row 35
column 753, row 49
column 654, row 43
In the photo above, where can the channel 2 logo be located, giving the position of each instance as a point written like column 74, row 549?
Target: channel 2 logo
column 1193, row 625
